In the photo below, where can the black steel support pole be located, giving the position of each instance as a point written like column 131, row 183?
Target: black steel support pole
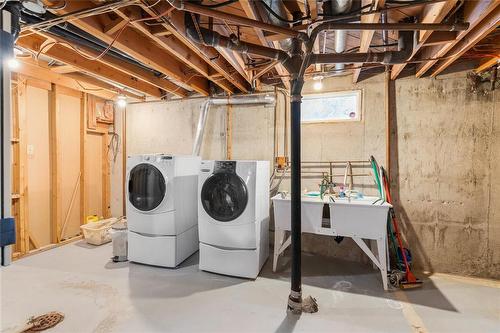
column 295, row 298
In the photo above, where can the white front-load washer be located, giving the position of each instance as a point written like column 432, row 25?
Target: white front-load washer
column 233, row 217
column 161, row 208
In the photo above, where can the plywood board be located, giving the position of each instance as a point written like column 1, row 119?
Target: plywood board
column 68, row 113
column 94, row 157
column 38, row 164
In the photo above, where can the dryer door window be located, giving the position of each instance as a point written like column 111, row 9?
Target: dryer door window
column 146, row 187
column 224, row 196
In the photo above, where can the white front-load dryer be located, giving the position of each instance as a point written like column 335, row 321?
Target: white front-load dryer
column 233, row 216
column 161, row 208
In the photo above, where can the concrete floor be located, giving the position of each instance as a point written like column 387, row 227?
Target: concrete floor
column 97, row 295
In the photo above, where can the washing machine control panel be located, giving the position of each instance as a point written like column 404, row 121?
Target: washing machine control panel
column 225, row 166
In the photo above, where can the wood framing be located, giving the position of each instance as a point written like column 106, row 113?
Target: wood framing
column 486, row 64
column 367, row 35
column 30, row 69
column 433, row 13
column 249, row 11
column 474, row 13
column 55, row 189
column 129, row 40
column 487, row 25
column 209, row 54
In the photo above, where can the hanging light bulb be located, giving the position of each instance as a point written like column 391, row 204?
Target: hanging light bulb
column 121, row 101
column 12, row 63
column 318, row 83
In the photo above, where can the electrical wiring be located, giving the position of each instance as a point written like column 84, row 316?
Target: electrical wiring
column 102, row 54
column 276, row 15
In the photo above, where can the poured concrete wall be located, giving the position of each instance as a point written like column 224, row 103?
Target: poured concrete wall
column 446, row 152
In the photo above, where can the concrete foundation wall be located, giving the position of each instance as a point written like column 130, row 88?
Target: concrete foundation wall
column 445, row 153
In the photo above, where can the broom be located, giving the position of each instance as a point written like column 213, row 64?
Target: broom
column 410, row 280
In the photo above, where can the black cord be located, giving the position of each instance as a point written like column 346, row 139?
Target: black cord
column 273, row 13
column 221, row 4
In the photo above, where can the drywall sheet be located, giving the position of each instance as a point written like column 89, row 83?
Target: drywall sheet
column 68, row 115
column 38, row 164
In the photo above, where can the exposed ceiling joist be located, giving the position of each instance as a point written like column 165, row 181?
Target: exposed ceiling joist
column 70, row 57
column 433, row 13
column 474, row 13
column 138, row 46
column 175, row 25
column 490, row 23
column 367, row 35
column 90, row 80
column 32, row 69
column 131, row 69
column 487, row 64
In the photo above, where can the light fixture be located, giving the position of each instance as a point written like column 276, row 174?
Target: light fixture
column 12, row 63
column 121, row 101
column 318, row 82
column 34, row 6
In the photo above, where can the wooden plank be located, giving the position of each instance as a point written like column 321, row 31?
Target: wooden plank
column 487, row 64
column 23, row 172
column 86, row 79
column 55, row 190
column 31, row 69
column 313, row 8
column 63, row 69
column 83, row 132
column 367, row 35
column 441, row 37
column 68, row 56
column 131, row 69
column 474, row 13
column 487, row 25
column 433, row 13
column 229, row 132
column 209, row 54
column 138, row 46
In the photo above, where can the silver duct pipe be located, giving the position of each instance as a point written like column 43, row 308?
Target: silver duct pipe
column 279, row 8
column 340, row 7
column 230, row 100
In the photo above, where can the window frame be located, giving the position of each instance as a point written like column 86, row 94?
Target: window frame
column 359, row 118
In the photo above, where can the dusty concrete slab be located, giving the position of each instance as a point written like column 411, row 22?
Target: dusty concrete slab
column 97, row 295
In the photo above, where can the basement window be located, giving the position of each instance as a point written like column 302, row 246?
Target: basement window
column 331, row 107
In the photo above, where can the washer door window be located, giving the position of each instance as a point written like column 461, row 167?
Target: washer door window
column 224, row 196
column 146, row 187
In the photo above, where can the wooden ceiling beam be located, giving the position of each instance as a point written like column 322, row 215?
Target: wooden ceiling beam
column 70, row 57
column 433, row 13
column 486, row 64
column 64, row 69
column 130, row 69
column 474, row 13
column 210, row 55
column 441, row 37
column 139, row 47
column 367, row 35
column 90, row 80
column 30, row 68
column 487, row 25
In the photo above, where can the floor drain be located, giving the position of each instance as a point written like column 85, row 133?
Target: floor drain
column 43, row 322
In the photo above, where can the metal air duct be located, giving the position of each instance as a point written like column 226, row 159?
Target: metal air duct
column 230, row 100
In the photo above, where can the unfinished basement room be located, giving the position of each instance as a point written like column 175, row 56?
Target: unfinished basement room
column 227, row 166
